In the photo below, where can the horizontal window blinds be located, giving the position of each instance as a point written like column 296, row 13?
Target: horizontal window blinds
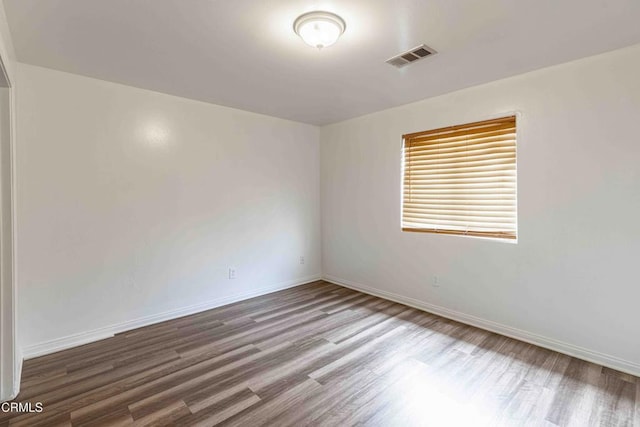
column 462, row 180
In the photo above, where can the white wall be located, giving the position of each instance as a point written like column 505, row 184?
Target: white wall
column 134, row 204
column 572, row 278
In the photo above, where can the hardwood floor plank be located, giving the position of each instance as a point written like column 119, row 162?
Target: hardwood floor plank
column 320, row 403
column 217, row 414
column 636, row 419
column 615, row 401
column 53, row 384
column 286, row 401
column 218, row 399
column 373, row 400
column 320, row 355
column 569, row 393
column 164, row 415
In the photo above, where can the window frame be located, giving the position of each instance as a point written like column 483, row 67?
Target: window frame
column 507, row 237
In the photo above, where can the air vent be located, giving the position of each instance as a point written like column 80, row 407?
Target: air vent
column 410, row 56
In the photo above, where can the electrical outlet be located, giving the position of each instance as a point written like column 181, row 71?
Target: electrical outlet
column 435, row 282
column 232, row 273
column 301, row 260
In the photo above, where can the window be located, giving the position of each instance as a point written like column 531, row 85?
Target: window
column 461, row 180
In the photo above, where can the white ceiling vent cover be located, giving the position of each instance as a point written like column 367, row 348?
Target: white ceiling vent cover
column 411, row 55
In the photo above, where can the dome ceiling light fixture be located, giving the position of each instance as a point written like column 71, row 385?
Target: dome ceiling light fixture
column 319, row 29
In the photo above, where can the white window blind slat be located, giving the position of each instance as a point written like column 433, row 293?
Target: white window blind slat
column 481, row 144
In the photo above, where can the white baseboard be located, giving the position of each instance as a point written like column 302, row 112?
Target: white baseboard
column 75, row 340
column 529, row 337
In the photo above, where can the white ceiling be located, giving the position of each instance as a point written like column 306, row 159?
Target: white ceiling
column 244, row 54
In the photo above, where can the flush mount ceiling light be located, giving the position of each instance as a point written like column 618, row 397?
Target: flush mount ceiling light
column 319, row 29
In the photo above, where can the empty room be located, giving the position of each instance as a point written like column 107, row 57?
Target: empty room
column 319, row 213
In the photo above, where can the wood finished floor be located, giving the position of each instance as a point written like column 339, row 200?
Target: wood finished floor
column 320, row 354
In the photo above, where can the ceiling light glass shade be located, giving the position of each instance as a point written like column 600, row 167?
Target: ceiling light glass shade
column 319, row 29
